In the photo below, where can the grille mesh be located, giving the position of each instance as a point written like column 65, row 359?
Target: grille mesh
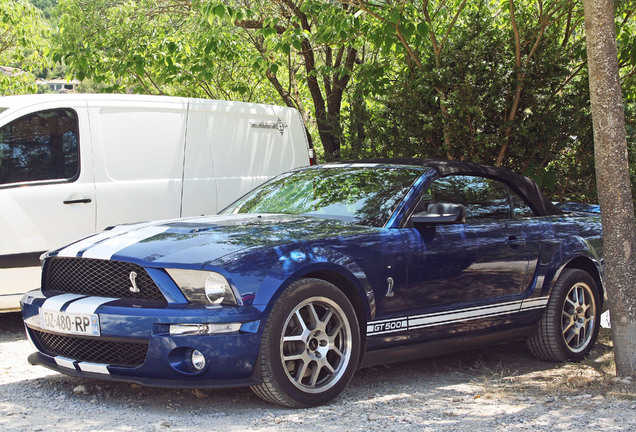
column 102, row 278
column 128, row 354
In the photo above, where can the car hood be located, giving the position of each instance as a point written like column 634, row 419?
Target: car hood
column 202, row 240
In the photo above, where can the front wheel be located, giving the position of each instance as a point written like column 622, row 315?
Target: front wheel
column 570, row 324
column 310, row 346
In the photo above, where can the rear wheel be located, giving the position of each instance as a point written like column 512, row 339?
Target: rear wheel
column 570, row 324
column 310, row 346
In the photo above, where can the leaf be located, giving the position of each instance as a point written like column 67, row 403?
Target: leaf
column 389, row 30
column 325, row 34
column 82, row 63
column 219, row 10
column 407, row 29
column 268, row 31
column 395, row 16
column 422, row 28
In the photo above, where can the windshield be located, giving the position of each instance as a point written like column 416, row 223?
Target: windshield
column 365, row 195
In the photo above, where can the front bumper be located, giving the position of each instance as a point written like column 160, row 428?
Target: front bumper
column 135, row 343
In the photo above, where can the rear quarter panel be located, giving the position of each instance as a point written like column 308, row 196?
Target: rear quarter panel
column 565, row 240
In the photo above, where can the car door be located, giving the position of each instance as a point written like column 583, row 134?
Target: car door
column 47, row 195
column 472, row 274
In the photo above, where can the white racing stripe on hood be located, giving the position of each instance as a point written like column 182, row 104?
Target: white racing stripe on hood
column 109, row 247
column 55, row 304
column 88, row 305
column 74, row 249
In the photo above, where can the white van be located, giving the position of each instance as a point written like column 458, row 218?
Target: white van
column 72, row 165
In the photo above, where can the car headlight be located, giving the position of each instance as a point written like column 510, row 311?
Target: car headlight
column 205, row 287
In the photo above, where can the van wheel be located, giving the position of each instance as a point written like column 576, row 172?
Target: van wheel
column 310, row 345
column 570, row 323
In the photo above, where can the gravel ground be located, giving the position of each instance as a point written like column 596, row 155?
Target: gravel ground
column 497, row 389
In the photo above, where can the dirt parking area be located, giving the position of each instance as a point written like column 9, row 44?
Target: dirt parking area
column 501, row 388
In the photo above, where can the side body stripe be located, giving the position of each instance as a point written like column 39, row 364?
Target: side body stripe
column 453, row 317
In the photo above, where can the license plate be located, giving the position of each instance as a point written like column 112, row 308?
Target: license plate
column 70, row 323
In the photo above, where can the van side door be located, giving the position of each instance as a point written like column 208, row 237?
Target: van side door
column 138, row 159
column 47, row 194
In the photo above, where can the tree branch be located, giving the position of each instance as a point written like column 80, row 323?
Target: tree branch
column 257, row 25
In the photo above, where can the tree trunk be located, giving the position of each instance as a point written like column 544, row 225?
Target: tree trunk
column 330, row 140
column 612, row 173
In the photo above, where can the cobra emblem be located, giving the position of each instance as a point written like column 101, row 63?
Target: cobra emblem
column 133, row 281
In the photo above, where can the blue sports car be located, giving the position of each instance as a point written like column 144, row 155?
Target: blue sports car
column 319, row 272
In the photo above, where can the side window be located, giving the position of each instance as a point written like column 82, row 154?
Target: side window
column 519, row 207
column 483, row 199
column 40, row 146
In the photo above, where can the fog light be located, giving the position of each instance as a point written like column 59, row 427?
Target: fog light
column 203, row 329
column 197, row 359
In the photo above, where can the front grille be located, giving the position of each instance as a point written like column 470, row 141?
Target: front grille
column 128, row 354
column 102, row 278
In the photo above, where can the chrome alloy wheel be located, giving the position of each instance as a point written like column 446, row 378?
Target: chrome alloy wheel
column 315, row 345
column 578, row 317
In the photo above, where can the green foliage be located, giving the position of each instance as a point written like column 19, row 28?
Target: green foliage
column 463, row 93
column 157, row 47
column 23, row 43
column 491, row 81
column 47, row 7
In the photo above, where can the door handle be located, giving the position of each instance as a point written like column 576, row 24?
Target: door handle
column 77, row 201
column 515, row 242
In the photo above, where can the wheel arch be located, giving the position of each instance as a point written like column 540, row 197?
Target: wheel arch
column 589, row 266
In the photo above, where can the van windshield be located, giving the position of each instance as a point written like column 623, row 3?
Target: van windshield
column 3, row 109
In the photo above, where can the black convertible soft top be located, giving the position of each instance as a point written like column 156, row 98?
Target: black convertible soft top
column 525, row 187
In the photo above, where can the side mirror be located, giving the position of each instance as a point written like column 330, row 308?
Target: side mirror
column 441, row 213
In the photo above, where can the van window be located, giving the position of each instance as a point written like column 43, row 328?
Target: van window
column 40, row 146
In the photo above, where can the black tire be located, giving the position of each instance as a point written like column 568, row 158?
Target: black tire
column 569, row 326
column 310, row 346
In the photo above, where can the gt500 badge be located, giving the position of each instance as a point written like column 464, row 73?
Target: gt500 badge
column 387, row 326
